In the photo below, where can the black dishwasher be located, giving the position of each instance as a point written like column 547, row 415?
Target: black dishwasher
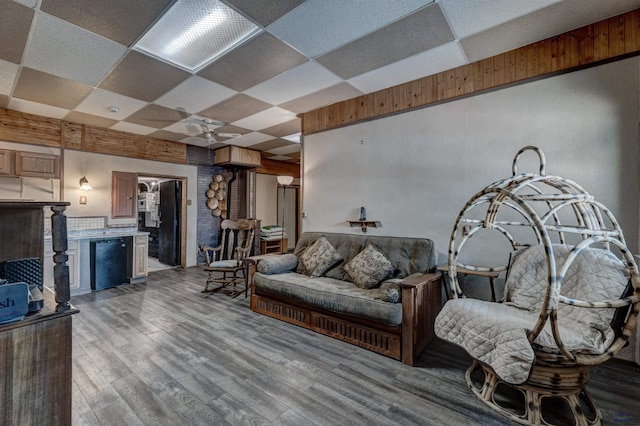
column 109, row 262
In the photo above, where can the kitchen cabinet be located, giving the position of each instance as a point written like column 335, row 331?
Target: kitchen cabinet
column 34, row 164
column 6, row 162
column 140, row 256
column 29, row 164
column 73, row 262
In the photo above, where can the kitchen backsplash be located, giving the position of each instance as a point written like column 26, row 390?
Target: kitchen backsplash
column 88, row 223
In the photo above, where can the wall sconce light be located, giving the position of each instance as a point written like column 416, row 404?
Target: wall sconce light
column 84, row 184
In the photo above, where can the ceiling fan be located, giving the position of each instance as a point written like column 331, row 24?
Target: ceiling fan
column 209, row 132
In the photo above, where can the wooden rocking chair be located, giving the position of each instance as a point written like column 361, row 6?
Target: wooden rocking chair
column 228, row 257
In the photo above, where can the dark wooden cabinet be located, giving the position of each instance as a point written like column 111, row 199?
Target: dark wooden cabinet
column 35, row 353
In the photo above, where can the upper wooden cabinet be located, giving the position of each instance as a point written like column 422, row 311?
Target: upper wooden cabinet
column 232, row 155
column 6, row 162
column 29, row 164
column 124, row 188
column 33, row 164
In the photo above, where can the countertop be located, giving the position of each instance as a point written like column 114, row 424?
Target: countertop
column 99, row 234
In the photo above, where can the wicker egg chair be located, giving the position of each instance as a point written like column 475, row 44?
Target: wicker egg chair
column 553, row 213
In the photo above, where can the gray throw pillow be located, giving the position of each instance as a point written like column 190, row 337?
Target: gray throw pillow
column 369, row 267
column 320, row 257
column 390, row 291
column 277, row 264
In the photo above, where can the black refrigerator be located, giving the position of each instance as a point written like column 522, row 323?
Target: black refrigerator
column 109, row 262
column 169, row 233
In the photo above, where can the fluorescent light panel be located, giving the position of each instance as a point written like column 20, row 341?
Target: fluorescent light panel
column 193, row 33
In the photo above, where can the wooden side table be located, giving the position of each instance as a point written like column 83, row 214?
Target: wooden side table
column 491, row 275
column 273, row 246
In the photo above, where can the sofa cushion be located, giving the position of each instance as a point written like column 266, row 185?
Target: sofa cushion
column 409, row 255
column 369, row 267
column 277, row 264
column 320, row 257
column 331, row 294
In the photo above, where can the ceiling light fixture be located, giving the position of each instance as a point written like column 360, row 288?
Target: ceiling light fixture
column 193, row 33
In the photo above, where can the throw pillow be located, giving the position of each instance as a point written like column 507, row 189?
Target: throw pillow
column 320, row 257
column 370, row 267
column 390, row 291
column 277, row 264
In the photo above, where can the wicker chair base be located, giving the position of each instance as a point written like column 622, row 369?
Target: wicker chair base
column 553, row 395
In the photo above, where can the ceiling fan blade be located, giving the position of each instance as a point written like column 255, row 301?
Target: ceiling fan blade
column 228, row 135
column 192, row 128
column 183, row 113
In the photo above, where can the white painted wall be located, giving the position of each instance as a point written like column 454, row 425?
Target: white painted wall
column 415, row 171
column 97, row 168
column 267, row 198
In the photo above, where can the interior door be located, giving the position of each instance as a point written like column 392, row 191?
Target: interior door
column 290, row 214
column 169, row 231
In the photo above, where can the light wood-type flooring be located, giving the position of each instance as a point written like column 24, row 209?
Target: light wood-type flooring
column 162, row 353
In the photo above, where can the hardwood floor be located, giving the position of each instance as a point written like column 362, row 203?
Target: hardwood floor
column 162, row 353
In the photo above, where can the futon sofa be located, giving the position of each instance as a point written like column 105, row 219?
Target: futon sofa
column 380, row 293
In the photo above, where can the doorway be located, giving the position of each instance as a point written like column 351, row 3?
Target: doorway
column 289, row 194
column 161, row 213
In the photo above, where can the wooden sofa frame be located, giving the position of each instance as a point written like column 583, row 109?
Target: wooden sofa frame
column 421, row 302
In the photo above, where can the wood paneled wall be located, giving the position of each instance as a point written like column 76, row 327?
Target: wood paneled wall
column 607, row 40
column 37, row 130
column 273, row 167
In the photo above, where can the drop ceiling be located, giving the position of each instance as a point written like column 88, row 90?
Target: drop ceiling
column 74, row 59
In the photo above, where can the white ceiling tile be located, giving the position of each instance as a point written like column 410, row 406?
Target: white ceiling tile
column 318, row 26
column 188, row 126
column 284, row 150
column 195, row 94
column 469, row 17
column 539, row 25
column 62, row 49
column 267, row 118
column 123, row 126
column 8, row 72
column 99, row 101
column 297, row 82
column 429, row 62
column 23, row 105
column 250, row 139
